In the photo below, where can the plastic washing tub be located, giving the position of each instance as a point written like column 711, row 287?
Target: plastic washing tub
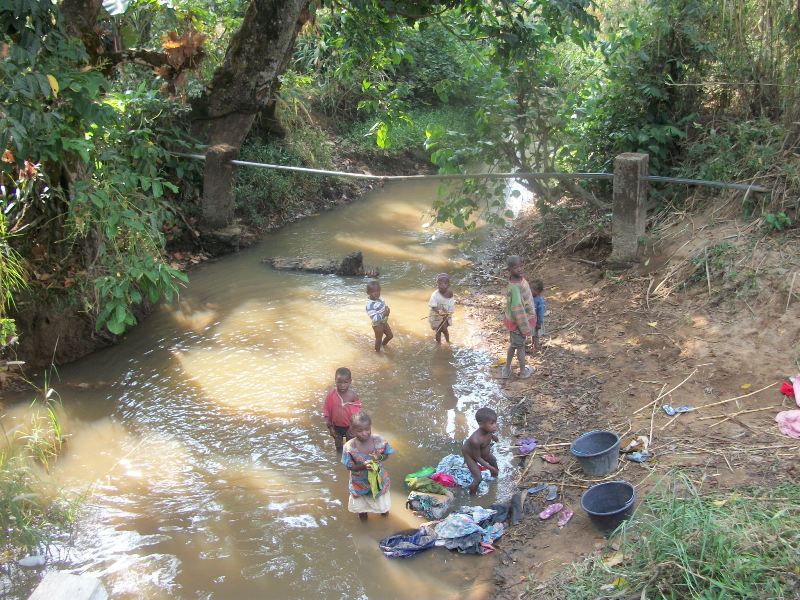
column 597, row 452
column 608, row 504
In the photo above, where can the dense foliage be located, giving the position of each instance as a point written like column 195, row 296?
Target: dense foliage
column 91, row 193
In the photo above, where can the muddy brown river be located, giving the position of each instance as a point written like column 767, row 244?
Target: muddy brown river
column 199, row 440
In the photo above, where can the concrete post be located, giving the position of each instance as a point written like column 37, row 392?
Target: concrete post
column 218, row 202
column 629, row 208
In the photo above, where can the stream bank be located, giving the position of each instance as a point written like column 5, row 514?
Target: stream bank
column 56, row 327
column 615, row 341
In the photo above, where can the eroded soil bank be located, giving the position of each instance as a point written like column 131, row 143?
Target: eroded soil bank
column 617, row 341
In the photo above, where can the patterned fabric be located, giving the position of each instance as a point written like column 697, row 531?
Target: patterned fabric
column 376, row 310
column 539, row 304
column 477, row 513
column 453, row 465
column 337, row 411
column 359, row 480
column 520, row 312
column 403, row 546
column 457, row 525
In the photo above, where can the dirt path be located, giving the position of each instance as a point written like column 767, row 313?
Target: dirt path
column 613, row 347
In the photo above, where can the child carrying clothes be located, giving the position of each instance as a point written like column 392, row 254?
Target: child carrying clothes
column 442, row 305
column 341, row 403
column 364, row 456
column 519, row 317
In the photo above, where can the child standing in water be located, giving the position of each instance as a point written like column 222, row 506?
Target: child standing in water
column 537, row 288
column 341, row 403
column 379, row 315
column 477, row 449
column 519, row 317
column 442, row 305
column 364, row 455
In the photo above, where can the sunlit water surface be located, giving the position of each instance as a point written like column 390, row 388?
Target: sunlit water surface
column 200, row 437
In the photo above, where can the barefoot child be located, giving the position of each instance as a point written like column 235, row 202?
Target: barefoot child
column 477, row 447
column 341, row 403
column 379, row 315
column 537, row 288
column 363, row 455
column 442, row 305
column 519, row 317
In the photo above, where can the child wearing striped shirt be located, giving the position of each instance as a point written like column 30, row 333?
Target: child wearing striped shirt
column 378, row 313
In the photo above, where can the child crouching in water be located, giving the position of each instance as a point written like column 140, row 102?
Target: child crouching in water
column 378, row 313
column 477, row 449
column 443, row 305
column 364, row 455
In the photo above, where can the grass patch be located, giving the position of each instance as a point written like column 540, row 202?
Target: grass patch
column 29, row 519
column 680, row 544
column 409, row 136
column 263, row 195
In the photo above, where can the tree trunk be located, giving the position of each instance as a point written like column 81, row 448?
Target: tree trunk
column 80, row 21
column 246, row 80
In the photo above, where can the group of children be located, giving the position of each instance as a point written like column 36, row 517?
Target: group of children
column 442, row 305
column 351, row 428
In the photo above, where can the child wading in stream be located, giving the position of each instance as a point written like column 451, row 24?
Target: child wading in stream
column 477, row 449
column 442, row 305
column 519, row 317
column 341, row 403
column 364, row 455
column 379, row 315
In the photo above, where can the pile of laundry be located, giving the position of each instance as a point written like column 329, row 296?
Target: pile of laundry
column 430, row 495
column 450, row 472
column 469, row 530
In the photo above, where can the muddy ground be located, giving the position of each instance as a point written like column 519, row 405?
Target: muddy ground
column 617, row 341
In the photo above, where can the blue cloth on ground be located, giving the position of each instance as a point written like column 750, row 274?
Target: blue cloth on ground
column 477, row 513
column 403, row 545
column 456, row 525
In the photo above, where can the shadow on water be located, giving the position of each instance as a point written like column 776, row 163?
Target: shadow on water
column 201, row 437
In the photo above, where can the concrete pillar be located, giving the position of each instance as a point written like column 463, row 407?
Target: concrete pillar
column 629, row 208
column 64, row 586
column 218, row 201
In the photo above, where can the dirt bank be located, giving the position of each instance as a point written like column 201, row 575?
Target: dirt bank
column 617, row 341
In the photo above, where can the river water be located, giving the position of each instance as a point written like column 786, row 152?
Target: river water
column 200, row 443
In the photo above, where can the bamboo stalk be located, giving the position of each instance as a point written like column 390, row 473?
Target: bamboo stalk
column 737, row 397
column 736, row 414
column 662, row 395
column 791, row 289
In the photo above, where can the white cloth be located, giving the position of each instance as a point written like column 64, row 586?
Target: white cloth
column 439, row 304
column 368, row 504
column 442, row 303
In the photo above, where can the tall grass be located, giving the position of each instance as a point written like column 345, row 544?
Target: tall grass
column 681, row 544
column 29, row 518
column 410, row 135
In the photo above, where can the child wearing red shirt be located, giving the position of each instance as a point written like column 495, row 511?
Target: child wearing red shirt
column 341, row 403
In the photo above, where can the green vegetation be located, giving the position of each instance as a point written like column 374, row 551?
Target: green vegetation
column 681, row 544
column 28, row 517
column 91, row 111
